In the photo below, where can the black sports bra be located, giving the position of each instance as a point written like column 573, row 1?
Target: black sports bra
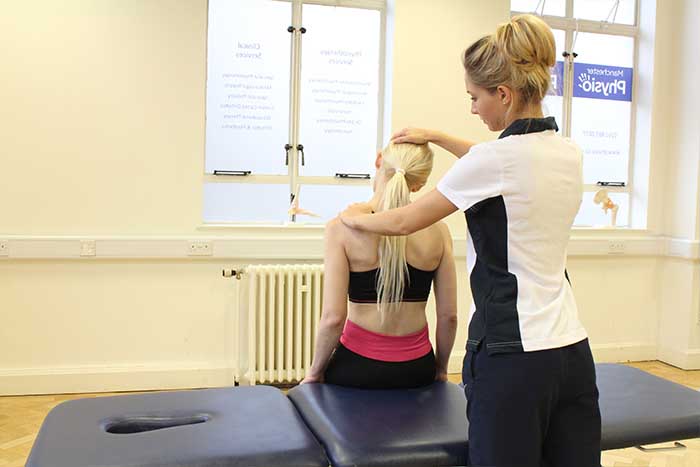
column 363, row 285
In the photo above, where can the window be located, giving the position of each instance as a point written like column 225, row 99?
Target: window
column 294, row 108
column 592, row 94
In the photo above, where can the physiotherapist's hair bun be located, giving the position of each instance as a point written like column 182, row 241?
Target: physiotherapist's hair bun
column 527, row 42
column 518, row 55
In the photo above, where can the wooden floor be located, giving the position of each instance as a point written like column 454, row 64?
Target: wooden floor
column 21, row 417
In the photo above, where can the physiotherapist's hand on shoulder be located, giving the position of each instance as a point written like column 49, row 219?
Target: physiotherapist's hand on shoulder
column 359, row 208
column 350, row 214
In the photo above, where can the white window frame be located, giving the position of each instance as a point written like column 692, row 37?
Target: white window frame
column 570, row 25
column 293, row 178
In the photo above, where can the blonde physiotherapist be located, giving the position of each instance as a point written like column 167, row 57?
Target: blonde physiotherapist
column 528, row 372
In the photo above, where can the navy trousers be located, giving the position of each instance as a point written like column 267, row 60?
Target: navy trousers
column 533, row 409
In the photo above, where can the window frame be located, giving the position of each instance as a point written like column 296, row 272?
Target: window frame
column 293, row 178
column 570, row 26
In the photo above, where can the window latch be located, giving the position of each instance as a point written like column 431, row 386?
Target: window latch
column 611, row 184
column 235, row 173
column 287, row 147
column 354, row 176
column 300, row 147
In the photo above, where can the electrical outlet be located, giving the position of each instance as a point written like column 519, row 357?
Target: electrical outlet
column 4, row 248
column 200, row 248
column 88, row 248
column 616, row 247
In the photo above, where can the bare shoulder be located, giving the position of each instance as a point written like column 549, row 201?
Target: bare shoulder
column 335, row 230
column 444, row 230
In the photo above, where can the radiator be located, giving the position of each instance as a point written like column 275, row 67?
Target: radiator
column 279, row 310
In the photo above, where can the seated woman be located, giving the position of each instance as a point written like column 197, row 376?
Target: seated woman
column 380, row 339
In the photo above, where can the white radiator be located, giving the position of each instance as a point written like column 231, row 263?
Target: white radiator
column 279, row 309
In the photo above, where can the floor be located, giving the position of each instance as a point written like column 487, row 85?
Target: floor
column 21, row 417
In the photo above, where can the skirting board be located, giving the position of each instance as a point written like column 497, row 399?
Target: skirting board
column 153, row 377
column 685, row 360
column 32, row 381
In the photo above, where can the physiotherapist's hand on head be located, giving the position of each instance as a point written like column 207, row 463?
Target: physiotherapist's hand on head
column 412, row 135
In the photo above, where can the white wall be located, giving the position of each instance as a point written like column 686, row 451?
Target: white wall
column 678, row 100
column 103, row 135
column 102, row 116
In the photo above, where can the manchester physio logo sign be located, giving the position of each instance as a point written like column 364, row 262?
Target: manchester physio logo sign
column 602, row 82
column 595, row 81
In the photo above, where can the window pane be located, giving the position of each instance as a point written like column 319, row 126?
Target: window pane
column 248, row 54
column 551, row 7
column 554, row 101
column 328, row 200
column 231, row 202
column 339, row 89
column 592, row 215
column 602, row 10
column 602, row 105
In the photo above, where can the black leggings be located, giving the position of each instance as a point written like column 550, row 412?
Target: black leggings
column 346, row 368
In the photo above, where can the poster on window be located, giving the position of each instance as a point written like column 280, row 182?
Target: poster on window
column 248, row 71
column 339, row 89
column 600, row 123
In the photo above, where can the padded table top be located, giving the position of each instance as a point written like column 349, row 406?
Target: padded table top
column 428, row 426
column 639, row 408
column 408, row 427
column 252, row 427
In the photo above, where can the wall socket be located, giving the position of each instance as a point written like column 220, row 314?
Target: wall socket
column 88, row 247
column 616, row 247
column 200, row 248
column 4, row 248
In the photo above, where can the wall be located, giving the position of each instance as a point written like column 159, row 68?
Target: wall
column 102, row 116
column 678, row 98
column 102, row 137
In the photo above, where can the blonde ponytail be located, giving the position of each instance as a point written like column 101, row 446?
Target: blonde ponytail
column 405, row 165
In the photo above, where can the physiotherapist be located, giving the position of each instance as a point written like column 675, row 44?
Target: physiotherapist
column 528, row 371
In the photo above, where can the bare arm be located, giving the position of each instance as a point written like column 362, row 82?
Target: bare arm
column 335, row 306
column 456, row 146
column 445, row 288
column 413, row 217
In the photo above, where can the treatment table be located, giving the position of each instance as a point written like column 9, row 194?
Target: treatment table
column 321, row 425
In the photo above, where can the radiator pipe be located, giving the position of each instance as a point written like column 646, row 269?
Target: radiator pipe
column 233, row 273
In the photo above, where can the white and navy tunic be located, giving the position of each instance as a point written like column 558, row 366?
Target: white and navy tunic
column 520, row 195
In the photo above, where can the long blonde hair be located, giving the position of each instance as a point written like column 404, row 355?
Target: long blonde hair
column 405, row 166
column 519, row 55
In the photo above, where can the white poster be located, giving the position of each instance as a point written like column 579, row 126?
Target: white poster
column 248, row 62
column 339, row 90
column 602, row 105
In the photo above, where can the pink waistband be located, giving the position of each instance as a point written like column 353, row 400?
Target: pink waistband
column 383, row 347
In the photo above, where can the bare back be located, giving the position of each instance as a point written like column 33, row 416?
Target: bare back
column 424, row 250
